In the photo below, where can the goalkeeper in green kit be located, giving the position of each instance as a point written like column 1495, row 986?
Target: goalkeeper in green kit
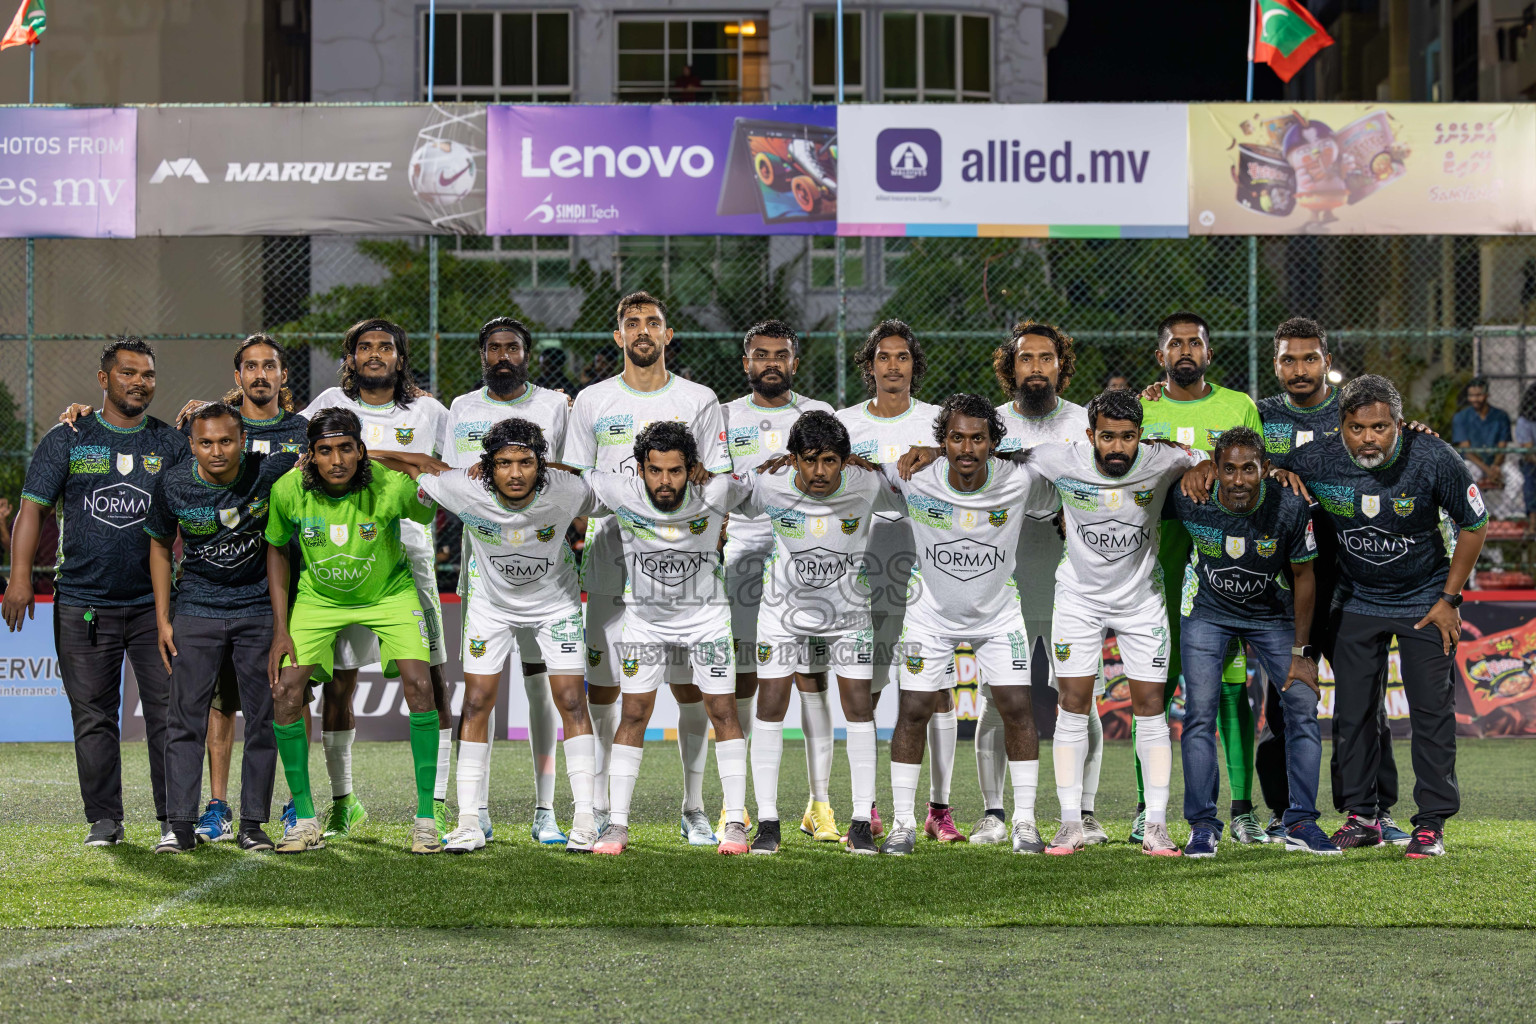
column 346, row 512
column 1190, row 411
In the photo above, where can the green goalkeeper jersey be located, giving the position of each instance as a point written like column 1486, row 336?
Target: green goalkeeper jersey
column 1199, row 423
column 352, row 549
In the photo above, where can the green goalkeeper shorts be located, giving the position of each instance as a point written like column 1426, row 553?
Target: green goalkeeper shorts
column 397, row 621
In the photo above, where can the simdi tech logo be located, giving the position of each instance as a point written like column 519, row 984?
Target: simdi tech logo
column 909, row 160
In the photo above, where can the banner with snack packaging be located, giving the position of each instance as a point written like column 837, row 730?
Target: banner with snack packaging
column 1362, row 168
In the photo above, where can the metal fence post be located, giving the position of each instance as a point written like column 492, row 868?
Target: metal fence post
column 30, row 401
column 432, row 325
column 1253, row 317
column 842, row 291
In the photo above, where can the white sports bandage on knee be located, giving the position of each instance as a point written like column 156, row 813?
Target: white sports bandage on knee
column 1156, row 753
column 991, row 755
column 816, row 724
column 1069, row 748
column 767, row 753
column 543, row 728
column 693, row 748
column 942, row 736
column 338, row 760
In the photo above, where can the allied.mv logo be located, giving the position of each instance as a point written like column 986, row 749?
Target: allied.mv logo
column 908, row 160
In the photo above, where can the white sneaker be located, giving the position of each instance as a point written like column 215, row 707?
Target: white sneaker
column 989, row 831
column 583, row 834
column 695, row 828
column 1093, row 832
column 545, row 830
column 485, row 824
column 1026, row 838
column 465, row 839
column 300, row 837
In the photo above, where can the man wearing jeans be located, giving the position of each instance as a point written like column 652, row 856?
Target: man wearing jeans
column 1247, row 539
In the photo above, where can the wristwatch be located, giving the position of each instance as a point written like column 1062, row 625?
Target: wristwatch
column 1454, row 600
column 1309, row 652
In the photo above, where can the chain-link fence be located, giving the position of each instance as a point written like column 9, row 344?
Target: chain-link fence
column 1430, row 312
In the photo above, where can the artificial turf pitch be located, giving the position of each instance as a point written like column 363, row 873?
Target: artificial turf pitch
column 519, row 932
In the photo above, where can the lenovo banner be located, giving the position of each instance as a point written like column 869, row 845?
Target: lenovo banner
column 66, row 173
column 1030, row 170
column 312, row 170
column 664, row 170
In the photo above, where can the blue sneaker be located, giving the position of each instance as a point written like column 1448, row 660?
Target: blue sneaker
column 1391, row 834
column 289, row 817
column 545, row 830
column 1274, row 832
column 1308, row 837
column 1202, row 842
column 217, row 823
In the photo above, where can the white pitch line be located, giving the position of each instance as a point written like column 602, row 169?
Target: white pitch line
column 108, row 935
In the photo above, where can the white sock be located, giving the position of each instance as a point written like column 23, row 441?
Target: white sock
column 1156, row 754
column 1026, row 778
column 444, row 755
column 543, row 728
column 1095, row 759
column 605, row 722
column 1068, row 750
column 471, row 774
column 816, row 723
column 942, row 734
column 581, row 769
column 623, row 769
column 767, row 753
column 693, row 748
column 744, row 716
column 485, row 781
column 731, row 759
column 861, row 766
column 338, row 760
column 904, row 792
column 991, row 754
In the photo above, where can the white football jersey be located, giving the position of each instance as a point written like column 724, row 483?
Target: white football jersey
column 472, row 414
column 814, row 580
column 753, row 435
column 885, row 440
column 1039, row 544
column 966, row 544
column 675, row 579
column 518, row 559
column 600, row 436
column 1112, row 522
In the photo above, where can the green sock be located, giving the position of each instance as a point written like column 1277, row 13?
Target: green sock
column 293, row 748
column 424, row 757
column 1234, row 728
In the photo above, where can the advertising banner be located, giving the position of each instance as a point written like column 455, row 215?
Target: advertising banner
column 417, row 169
column 33, row 707
column 663, row 170
column 1094, row 170
column 67, row 173
column 1362, row 169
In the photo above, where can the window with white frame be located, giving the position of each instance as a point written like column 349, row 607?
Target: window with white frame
column 824, row 262
column 824, row 56
column 935, row 57
column 499, row 56
column 536, row 261
column 719, row 59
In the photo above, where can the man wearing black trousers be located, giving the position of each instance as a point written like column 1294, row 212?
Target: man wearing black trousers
column 1384, row 489
column 99, row 477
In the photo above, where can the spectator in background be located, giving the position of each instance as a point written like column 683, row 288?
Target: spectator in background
column 1525, row 437
column 686, row 86
column 1480, row 425
column 599, row 367
column 1115, row 380
column 449, row 531
column 552, row 368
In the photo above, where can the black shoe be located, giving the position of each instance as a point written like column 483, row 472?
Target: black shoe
column 179, row 838
column 860, row 838
column 252, row 838
column 1356, row 833
column 1427, row 842
column 105, row 832
column 767, row 838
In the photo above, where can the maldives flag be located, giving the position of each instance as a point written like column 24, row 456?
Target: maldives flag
column 28, row 25
column 1287, row 36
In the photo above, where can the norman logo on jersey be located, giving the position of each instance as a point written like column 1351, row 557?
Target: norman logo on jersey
column 1376, row 546
column 819, row 568
column 119, row 505
column 1113, row 539
column 1237, row 583
column 674, row 568
column 965, row 559
column 521, row 570
column 232, row 553
column 343, row 571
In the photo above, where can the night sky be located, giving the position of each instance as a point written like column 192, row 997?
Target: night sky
column 1116, row 51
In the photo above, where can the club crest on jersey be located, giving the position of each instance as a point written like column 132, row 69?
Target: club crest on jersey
column 850, row 526
column 257, row 508
column 1303, row 437
column 291, row 449
column 1143, row 498
column 997, row 517
column 1370, row 504
column 1402, row 506
column 261, row 447
column 914, row 663
column 403, row 435
column 476, row 647
column 125, row 464
column 764, row 652
column 152, row 463
column 546, row 533
column 698, row 526
column 1266, row 548
column 230, row 517
column 1063, row 651
column 367, row 531
column 1236, row 546
column 338, row 533
column 594, row 657
column 819, row 526
column 1114, row 499
column 630, row 666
